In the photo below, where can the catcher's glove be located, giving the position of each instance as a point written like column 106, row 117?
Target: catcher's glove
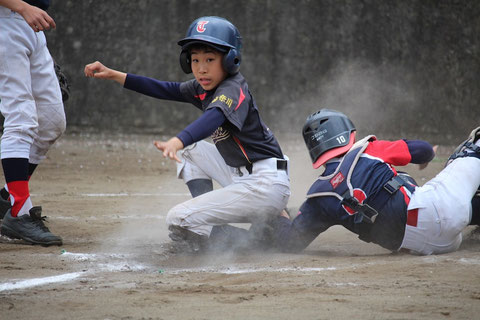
column 63, row 81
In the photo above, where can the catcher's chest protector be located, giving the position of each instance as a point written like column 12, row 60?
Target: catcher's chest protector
column 338, row 184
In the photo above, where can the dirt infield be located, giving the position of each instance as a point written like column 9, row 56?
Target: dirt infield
column 107, row 196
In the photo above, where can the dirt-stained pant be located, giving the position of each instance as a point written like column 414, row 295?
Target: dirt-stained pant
column 444, row 208
column 31, row 100
column 243, row 198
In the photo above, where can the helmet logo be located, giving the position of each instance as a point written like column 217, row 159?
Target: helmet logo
column 201, row 26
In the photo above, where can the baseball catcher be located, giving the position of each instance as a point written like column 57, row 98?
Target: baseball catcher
column 361, row 190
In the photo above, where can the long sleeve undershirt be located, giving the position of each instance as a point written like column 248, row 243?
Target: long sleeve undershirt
column 203, row 127
column 421, row 151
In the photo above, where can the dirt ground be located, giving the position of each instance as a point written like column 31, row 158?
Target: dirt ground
column 107, row 196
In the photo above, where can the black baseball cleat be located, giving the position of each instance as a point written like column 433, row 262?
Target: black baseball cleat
column 4, row 202
column 186, row 241
column 29, row 227
column 469, row 144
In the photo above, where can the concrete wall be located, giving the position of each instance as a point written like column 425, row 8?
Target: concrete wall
column 397, row 68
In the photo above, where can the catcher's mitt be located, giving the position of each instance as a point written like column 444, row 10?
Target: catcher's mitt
column 63, row 81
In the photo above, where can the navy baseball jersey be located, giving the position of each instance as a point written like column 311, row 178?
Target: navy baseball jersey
column 243, row 138
column 372, row 171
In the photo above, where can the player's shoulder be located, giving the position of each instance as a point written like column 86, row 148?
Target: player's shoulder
column 232, row 91
column 235, row 81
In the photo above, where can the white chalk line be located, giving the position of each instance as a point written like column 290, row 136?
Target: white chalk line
column 119, row 266
column 124, row 264
column 23, row 284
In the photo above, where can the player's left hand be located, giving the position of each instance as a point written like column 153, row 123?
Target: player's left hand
column 424, row 165
column 170, row 148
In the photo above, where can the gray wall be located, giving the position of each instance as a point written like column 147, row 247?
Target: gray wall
column 397, row 68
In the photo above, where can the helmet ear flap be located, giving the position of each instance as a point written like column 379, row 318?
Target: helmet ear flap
column 231, row 61
column 185, row 61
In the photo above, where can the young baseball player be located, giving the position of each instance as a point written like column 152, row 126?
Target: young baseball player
column 245, row 159
column 361, row 190
column 31, row 102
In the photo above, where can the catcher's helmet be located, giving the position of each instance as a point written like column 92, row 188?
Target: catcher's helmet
column 328, row 134
column 215, row 32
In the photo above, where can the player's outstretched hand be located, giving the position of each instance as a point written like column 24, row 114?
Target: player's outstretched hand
column 170, row 148
column 424, row 165
column 98, row 70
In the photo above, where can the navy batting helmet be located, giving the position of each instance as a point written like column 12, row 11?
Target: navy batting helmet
column 328, row 134
column 215, row 32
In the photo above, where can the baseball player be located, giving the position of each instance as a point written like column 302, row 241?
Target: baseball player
column 31, row 102
column 361, row 190
column 245, row 158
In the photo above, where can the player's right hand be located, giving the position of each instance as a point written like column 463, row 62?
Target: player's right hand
column 98, row 70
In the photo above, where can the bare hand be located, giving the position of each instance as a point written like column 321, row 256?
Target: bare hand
column 36, row 18
column 170, row 148
column 98, row 70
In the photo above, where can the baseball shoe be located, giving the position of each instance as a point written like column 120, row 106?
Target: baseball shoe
column 29, row 227
column 186, row 241
column 4, row 202
column 469, row 144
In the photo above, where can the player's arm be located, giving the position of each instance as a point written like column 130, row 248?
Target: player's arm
column 198, row 130
column 36, row 18
column 99, row 71
column 296, row 235
column 401, row 152
column 154, row 88
column 421, row 152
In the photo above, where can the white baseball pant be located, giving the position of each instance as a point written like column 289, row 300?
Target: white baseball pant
column 243, row 198
column 439, row 210
column 31, row 100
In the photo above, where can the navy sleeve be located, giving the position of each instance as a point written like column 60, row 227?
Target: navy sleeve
column 203, row 127
column 154, row 88
column 296, row 235
column 421, row 151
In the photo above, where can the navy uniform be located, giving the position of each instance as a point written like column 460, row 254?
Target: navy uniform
column 245, row 158
column 361, row 190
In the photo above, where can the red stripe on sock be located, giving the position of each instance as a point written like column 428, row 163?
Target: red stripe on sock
column 20, row 193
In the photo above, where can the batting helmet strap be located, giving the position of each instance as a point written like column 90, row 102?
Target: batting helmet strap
column 217, row 33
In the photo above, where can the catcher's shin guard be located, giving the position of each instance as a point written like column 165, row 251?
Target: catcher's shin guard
column 468, row 148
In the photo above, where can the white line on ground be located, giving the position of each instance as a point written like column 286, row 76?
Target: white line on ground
column 39, row 281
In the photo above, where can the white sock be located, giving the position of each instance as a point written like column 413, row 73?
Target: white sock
column 25, row 208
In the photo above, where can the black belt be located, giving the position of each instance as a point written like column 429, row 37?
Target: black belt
column 281, row 165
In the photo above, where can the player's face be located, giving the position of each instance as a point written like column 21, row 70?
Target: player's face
column 207, row 68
